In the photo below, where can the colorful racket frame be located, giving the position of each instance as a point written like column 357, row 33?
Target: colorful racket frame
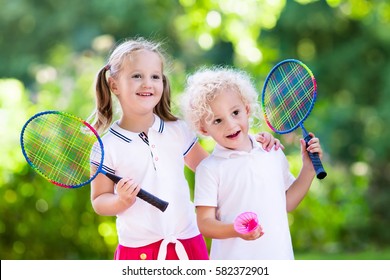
column 292, row 92
column 263, row 97
column 69, row 166
column 37, row 168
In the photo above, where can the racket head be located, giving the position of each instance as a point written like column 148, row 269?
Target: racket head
column 59, row 146
column 288, row 95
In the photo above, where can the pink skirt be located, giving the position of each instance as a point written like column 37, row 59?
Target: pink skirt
column 195, row 248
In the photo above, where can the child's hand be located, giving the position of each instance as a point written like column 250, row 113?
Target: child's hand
column 253, row 235
column 127, row 191
column 313, row 147
column 268, row 141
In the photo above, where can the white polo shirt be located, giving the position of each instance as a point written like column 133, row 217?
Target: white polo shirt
column 236, row 182
column 156, row 162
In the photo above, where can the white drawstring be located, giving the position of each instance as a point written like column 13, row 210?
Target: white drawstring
column 180, row 251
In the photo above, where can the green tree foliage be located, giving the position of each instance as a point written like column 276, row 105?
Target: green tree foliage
column 52, row 50
column 346, row 46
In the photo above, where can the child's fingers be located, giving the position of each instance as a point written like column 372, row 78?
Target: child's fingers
column 255, row 234
column 122, row 183
column 303, row 145
column 268, row 142
column 264, row 140
column 131, row 186
column 135, row 189
column 260, row 137
column 278, row 145
column 313, row 145
column 128, row 186
column 317, row 150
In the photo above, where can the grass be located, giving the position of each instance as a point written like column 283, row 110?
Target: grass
column 383, row 254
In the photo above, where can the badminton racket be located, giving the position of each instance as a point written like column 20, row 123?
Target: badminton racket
column 288, row 97
column 68, row 152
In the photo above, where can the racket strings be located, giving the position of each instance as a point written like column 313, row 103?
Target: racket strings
column 289, row 96
column 59, row 148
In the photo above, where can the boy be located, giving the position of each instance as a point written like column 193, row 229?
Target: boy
column 239, row 176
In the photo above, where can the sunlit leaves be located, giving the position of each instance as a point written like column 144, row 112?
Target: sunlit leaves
column 238, row 22
column 55, row 50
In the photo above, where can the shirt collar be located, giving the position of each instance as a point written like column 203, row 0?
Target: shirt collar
column 158, row 124
column 128, row 136
column 223, row 152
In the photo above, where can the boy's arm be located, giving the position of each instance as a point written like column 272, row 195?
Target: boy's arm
column 210, row 227
column 301, row 185
column 298, row 189
column 198, row 153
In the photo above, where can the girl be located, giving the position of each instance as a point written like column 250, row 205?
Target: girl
column 218, row 103
column 148, row 146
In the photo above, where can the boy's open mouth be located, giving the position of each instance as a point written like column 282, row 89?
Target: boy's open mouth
column 233, row 135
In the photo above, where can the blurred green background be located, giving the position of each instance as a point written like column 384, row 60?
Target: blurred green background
column 51, row 51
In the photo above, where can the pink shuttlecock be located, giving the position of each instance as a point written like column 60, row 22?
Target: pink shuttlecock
column 246, row 222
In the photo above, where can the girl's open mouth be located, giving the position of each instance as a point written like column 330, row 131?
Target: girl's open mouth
column 144, row 94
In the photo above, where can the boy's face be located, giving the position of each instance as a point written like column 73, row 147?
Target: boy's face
column 229, row 124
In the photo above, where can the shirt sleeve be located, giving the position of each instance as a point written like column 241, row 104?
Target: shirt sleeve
column 107, row 164
column 206, row 186
column 96, row 155
column 189, row 137
column 288, row 177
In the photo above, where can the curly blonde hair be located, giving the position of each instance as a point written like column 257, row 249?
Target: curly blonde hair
column 205, row 84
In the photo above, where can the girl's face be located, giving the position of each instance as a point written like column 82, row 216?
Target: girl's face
column 139, row 85
column 229, row 124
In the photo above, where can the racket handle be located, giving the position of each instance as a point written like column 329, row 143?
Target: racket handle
column 153, row 200
column 144, row 195
column 315, row 159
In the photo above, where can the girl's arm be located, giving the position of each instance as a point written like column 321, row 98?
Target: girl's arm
column 301, row 185
column 195, row 156
column 197, row 153
column 268, row 141
column 105, row 202
column 210, row 227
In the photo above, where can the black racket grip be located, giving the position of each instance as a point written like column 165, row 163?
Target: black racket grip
column 153, row 200
column 144, row 195
column 315, row 159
